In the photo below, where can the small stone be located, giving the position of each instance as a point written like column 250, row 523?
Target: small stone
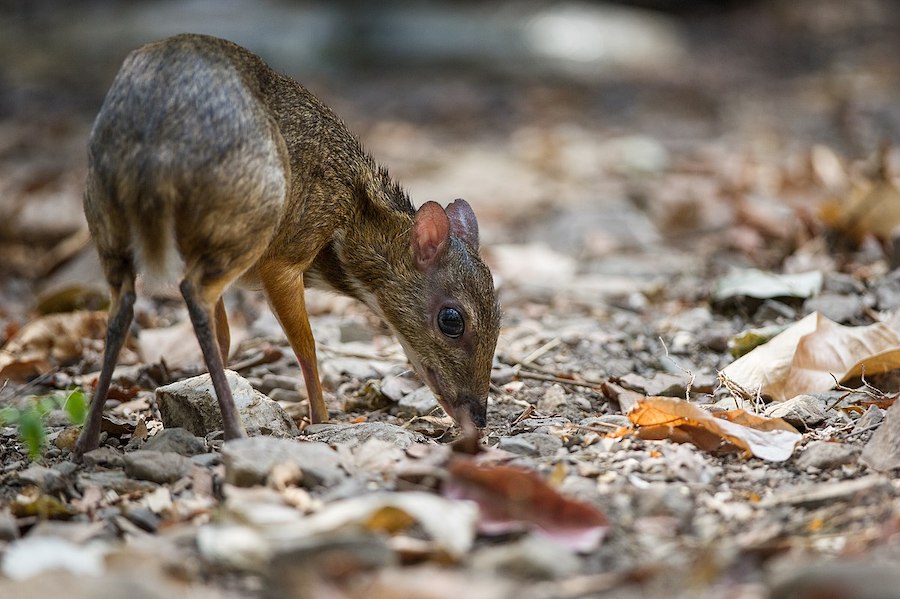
column 531, row 444
column 554, row 397
column 772, row 309
column 103, row 456
column 286, row 395
column 67, row 438
column 143, row 518
column 156, row 466
column 270, row 382
column 192, row 404
column 248, row 462
column 607, row 422
column 802, row 410
column 47, row 479
column 839, row 308
column 539, row 425
column 869, row 420
column 206, row 460
column 177, row 440
column 355, row 330
column 530, row 558
column 420, row 402
column 882, row 452
column 29, row 557
column 115, row 480
column 396, row 386
column 503, row 375
column 351, row 435
column 825, row 455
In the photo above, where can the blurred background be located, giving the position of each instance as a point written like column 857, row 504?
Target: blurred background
column 651, row 139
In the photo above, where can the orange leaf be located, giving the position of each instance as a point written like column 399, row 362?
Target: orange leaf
column 512, row 499
column 659, row 418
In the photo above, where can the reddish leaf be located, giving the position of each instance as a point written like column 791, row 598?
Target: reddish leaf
column 512, row 499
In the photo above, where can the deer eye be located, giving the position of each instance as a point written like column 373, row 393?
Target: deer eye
column 450, row 321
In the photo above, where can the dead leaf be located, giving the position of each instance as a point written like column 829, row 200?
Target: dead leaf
column 47, row 341
column 765, row 285
column 658, row 418
column 808, row 356
column 512, row 499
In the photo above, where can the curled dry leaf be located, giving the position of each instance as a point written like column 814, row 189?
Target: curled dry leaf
column 49, row 341
column 771, row 439
column 512, row 499
column 810, row 355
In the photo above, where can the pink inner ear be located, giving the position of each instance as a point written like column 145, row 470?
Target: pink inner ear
column 463, row 223
column 430, row 233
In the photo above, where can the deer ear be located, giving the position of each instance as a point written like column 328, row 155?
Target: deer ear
column 430, row 234
column 462, row 222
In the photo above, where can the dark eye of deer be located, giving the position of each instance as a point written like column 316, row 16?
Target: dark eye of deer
column 450, row 321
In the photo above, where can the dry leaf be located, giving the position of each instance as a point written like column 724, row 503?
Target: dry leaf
column 808, row 357
column 48, row 341
column 512, row 499
column 771, row 439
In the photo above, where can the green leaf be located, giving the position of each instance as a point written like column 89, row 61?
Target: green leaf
column 9, row 415
column 76, row 406
column 32, row 432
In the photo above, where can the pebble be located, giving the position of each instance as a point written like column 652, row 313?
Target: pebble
column 839, row 308
column 249, row 461
column 9, row 530
column 47, row 479
column 882, row 452
column 192, row 404
column 531, row 444
column 351, row 435
column 420, row 402
column 104, row 456
column 31, row 556
column 873, row 416
column 143, row 518
column 802, row 411
column 156, row 466
column 115, row 480
column 177, row 440
column 826, row 455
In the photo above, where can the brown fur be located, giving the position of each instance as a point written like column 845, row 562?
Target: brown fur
column 199, row 142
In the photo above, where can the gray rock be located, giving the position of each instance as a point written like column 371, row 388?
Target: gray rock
column 531, row 444
column 116, row 480
column 103, row 456
column 396, row 386
column 420, row 402
column 607, row 421
column 539, row 425
column 192, row 404
column 839, row 308
column 355, row 330
column 47, row 479
column 882, row 452
column 870, row 419
column 803, row 411
column 270, row 382
column 357, row 434
column 825, row 455
column 143, row 518
column 249, row 461
column 287, row 395
column 177, row 440
column 887, row 292
column 156, row 466
column 530, row 558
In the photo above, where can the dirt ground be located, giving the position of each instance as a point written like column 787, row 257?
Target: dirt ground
column 613, row 203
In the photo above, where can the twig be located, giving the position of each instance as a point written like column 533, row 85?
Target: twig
column 538, row 376
column 540, row 351
column 691, row 377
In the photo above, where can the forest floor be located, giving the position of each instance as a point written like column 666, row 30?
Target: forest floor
column 644, row 229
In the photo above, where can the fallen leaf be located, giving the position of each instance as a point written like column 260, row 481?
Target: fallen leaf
column 658, row 418
column 48, row 341
column 811, row 354
column 511, row 499
column 449, row 524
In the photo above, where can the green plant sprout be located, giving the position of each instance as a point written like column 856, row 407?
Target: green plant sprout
column 30, row 421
